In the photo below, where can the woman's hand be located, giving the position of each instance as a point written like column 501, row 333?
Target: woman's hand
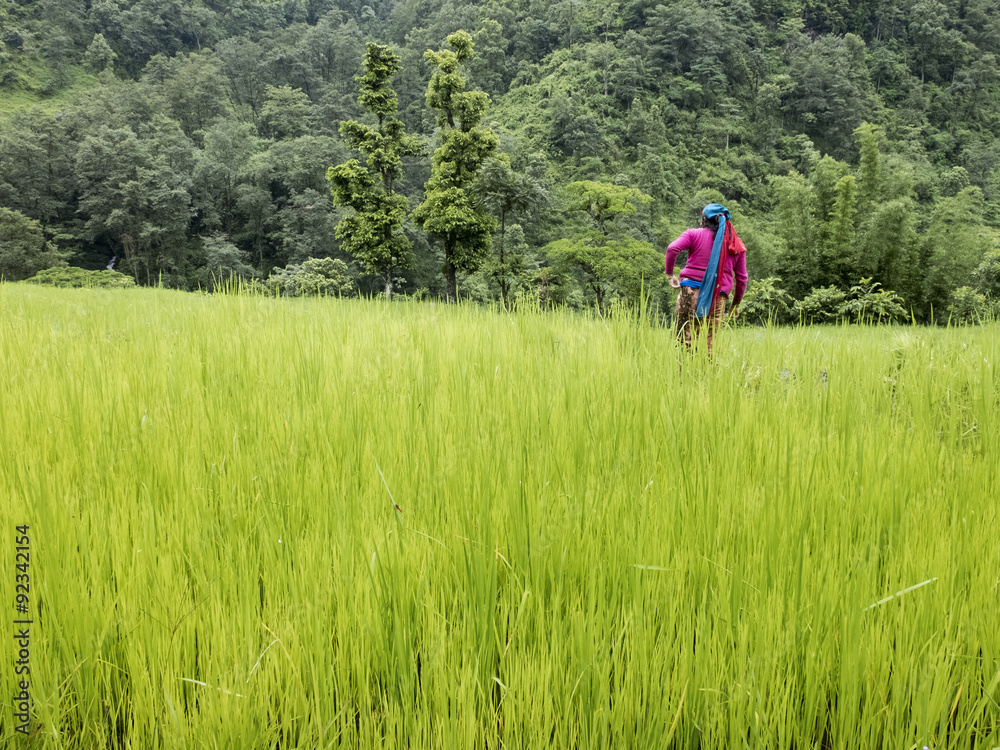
column 675, row 281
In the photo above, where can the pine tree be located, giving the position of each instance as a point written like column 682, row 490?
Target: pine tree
column 373, row 235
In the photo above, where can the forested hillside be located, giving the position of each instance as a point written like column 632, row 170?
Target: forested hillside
column 189, row 140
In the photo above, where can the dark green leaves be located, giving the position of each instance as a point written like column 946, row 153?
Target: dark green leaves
column 373, row 234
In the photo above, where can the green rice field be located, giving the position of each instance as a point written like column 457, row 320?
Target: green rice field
column 264, row 523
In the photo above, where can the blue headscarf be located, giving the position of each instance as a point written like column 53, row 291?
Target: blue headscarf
column 712, row 211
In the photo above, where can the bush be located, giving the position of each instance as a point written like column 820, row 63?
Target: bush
column 968, row 306
column 71, row 277
column 986, row 277
column 821, row 305
column 226, row 266
column 765, row 302
column 873, row 305
column 13, row 39
column 315, row 277
column 23, row 248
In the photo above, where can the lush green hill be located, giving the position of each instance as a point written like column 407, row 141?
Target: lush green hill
column 208, row 128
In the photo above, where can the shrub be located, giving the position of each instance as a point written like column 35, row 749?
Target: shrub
column 23, row 248
column 225, row 265
column 968, row 306
column 765, row 302
column 73, row 277
column 986, row 277
column 873, row 305
column 821, row 305
column 314, row 277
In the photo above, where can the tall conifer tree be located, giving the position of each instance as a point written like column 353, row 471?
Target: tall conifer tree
column 373, row 235
column 449, row 210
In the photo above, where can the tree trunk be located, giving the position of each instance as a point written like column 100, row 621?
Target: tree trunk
column 449, row 274
column 388, row 285
column 504, row 286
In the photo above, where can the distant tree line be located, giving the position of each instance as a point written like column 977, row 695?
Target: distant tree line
column 552, row 149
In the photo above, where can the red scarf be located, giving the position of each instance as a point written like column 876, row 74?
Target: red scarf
column 731, row 245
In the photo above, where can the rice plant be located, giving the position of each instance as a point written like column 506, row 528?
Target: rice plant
column 320, row 523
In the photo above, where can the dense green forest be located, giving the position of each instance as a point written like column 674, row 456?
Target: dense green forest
column 188, row 141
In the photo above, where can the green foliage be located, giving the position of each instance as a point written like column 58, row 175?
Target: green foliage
column 986, row 277
column 134, row 199
column 23, row 248
column 449, row 210
column 935, row 46
column 36, row 174
column 373, row 234
column 551, row 288
column 72, row 277
column 869, row 304
column 768, row 248
column 618, row 267
column 505, row 193
column 953, row 181
column 99, row 55
column 955, row 242
column 511, row 272
column 239, row 105
column 839, row 258
column 455, row 107
column 890, row 246
column 315, row 277
column 828, row 90
column 968, row 306
column 870, row 170
column 765, row 303
column 821, row 305
column 604, row 202
column 613, row 262
column 193, row 90
column 225, row 264
column 796, row 225
column 283, row 113
column 222, row 174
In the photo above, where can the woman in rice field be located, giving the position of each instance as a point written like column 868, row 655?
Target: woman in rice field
column 716, row 269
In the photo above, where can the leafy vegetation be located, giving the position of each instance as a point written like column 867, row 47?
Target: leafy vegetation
column 259, row 522
column 314, row 277
column 23, row 247
column 69, row 277
column 450, row 211
column 851, row 141
column 373, row 235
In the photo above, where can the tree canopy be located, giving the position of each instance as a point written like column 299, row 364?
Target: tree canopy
column 373, row 235
column 182, row 139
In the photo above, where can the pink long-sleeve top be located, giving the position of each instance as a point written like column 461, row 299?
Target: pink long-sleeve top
column 698, row 243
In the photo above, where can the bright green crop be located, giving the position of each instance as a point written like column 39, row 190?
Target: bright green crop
column 266, row 523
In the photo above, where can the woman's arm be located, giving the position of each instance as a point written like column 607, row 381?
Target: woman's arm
column 674, row 249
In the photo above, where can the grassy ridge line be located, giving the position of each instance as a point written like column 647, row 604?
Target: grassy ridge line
column 161, row 445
